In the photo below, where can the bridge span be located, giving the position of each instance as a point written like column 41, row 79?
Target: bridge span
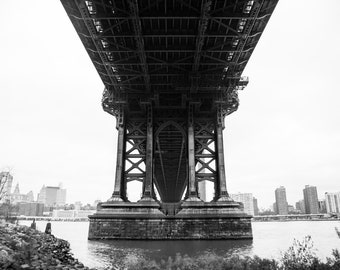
column 171, row 71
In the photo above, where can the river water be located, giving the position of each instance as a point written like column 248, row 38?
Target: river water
column 270, row 240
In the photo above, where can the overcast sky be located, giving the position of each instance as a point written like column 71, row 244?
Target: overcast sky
column 286, row 131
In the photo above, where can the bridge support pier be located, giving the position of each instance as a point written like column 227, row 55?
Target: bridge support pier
column 171, row 156
column 119, row 193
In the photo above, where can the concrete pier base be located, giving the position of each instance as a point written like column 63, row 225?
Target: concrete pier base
column 149, row 221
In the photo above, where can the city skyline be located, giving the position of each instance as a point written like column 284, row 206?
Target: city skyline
column 279, row 190
column 285, row 132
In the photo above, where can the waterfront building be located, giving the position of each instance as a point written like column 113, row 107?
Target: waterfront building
column 332, row 201
column 256, row 207
column 273, row 208
column 310, row 196
column 300, row 206
column 72, row 213
column 6, row 181
column 291, row 209
column 246, row 199
column 78, row 205
column 61, row 195
column 322, row 207
column 17, row 196
column 52, row 196
column 42, row 195
column 281, row 201
column 31, row 209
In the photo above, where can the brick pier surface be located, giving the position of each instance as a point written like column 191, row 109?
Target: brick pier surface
column 170, row 228
column 133, row 221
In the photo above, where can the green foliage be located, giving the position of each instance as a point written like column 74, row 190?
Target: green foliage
column 300, row 256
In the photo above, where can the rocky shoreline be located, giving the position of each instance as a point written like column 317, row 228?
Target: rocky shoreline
column 24, row 248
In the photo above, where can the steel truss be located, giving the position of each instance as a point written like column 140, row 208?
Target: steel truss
column 172, row 70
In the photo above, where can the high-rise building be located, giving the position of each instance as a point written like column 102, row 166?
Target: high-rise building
column 42, row 195
column 310, row 196
column 332, row 202
column 300, row 206
column 52, row 196
column 322, row 207
column 256, row 207
column 61, row 196
column 246, row 199
column 281, row 201
column 202, row 190
column 6, row 181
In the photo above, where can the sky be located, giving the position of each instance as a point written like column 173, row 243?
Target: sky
column 286, row 131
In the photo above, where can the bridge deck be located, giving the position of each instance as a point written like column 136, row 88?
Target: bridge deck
column 157, row 48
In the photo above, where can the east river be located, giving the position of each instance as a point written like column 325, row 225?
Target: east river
column 270, row 240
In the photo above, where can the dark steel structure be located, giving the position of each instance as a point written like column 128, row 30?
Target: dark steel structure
column 171, row 70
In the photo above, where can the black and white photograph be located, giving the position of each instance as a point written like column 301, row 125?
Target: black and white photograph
column 170, row 134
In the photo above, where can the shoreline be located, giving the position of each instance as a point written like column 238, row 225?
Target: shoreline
column 254, row 219
column 22, row 247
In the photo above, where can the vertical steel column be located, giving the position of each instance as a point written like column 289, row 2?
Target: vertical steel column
column 119, row 193
column 192, row 187
column 148, row 182
column 221, row 193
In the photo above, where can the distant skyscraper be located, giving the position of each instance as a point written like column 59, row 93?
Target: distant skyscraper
column 310, row 196
column 42, row 195
column 52, row 196
column 6, row 179
column 332, row 202
column 202, row 186
column 281, row 201
column 61, row 195
column 202, row 190
column 274, row 208
column 256, row 207
column 322, row 206
column 300, row 206
column 246, row 199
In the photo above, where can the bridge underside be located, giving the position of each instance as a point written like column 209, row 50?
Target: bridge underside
column 171, row 70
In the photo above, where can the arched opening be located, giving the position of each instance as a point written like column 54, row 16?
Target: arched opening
column 170, row 166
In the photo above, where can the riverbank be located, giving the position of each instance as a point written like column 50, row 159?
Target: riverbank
column 24, row 248
column 271, row 241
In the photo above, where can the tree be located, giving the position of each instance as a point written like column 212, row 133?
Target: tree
column 3, row 185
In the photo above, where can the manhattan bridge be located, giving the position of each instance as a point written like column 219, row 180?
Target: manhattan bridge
column 171, row 70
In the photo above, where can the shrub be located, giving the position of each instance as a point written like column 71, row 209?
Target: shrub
column 300, row 256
